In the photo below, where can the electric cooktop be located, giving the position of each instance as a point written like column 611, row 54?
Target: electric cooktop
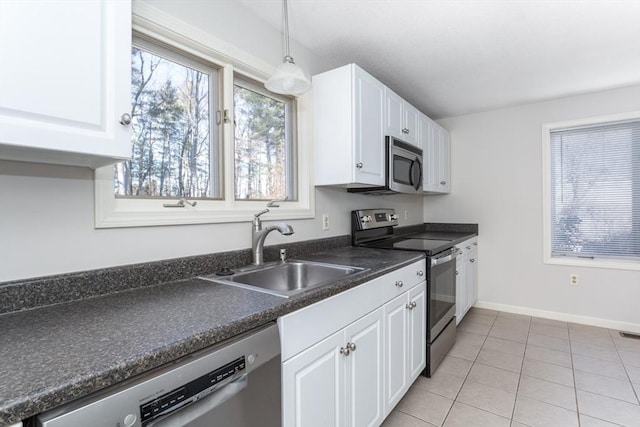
column 408, row 243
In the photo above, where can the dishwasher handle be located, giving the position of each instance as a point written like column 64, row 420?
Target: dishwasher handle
column 192, row 412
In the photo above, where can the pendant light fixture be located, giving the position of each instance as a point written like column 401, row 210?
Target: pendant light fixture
column 288, row 78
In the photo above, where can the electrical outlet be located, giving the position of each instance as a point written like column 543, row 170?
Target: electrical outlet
column 573, row 280
column 325, row 221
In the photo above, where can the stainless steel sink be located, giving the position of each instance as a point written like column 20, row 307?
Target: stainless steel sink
column 285, row 278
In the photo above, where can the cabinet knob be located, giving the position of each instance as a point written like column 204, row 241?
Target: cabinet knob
column 468, row 247
column 359, row 165
column 443, row 182
column 456, row 272
column 420, row 273
column 475, row 243
column 351, row 346
column 125, row 119
column 345, row 351
column 411, row 305
column 399, row 283
column 405, row 131
column 472, row 260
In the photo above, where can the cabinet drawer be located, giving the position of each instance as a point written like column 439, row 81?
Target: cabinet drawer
column 402, row 280
column 468, row 246
column 334, row 313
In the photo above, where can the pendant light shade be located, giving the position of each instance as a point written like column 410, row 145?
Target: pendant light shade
column 288, row 78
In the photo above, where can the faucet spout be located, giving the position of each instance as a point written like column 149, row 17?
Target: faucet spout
column 258, row 236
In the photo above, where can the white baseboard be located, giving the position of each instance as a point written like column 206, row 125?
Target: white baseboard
column 574, row 318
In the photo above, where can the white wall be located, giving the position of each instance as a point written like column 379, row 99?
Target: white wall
column 46, row 212
column 497, row 182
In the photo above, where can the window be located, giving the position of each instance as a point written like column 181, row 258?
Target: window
column 206, row 131
column 264, row 148
column 594, row 191
column 174, row 146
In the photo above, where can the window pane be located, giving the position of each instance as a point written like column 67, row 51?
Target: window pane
column 171, row 141
column 595, row 178
column 261, row 146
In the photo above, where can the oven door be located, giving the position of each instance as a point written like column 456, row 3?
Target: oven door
column 442, row 292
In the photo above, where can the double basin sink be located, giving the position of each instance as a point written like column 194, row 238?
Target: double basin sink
column 284, row 278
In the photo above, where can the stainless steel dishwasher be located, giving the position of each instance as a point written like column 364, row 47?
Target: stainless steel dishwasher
column 235, row 383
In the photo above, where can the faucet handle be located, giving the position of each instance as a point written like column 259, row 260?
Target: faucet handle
column 260, row 213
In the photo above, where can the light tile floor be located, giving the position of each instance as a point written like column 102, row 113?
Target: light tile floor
column 513, row 371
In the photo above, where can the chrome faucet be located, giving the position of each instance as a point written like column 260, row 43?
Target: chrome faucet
column 258, row 235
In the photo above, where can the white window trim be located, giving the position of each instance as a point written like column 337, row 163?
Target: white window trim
column 112, row 212
column 547, row 128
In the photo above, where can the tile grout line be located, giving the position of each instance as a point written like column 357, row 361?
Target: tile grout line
column 626, row 370
column 526, row 343
column 467, row 374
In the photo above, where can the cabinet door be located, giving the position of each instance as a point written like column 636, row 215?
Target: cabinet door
column 472, row 277
column 369, row 129
column 394, row 115
column 430, row 156
column 461, row 287
column 313, row 385
column 395, row 333
column 444, row 156
column 411, row 129
column 65, row 81
column 417, row 329
column 364, row 371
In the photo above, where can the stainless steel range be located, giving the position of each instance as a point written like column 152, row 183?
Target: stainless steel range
column 373, row 228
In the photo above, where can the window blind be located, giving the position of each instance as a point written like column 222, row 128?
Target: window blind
column 595, row 191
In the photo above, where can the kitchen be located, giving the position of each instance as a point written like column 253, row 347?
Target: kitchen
column 484, row 152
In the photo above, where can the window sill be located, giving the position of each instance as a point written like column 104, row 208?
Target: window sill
column 594, row 263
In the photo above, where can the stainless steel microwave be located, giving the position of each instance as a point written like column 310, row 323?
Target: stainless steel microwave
column 404, row 169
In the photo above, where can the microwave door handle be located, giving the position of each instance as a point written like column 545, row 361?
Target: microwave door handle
column 417, row 184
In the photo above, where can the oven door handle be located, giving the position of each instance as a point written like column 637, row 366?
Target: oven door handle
column 442, row 260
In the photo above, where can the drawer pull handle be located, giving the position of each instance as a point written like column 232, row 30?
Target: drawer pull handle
column 399, row 283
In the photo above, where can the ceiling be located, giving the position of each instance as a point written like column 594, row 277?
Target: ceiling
column 454, row 57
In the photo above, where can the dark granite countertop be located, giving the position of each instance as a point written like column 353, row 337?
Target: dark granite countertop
column 55, row 354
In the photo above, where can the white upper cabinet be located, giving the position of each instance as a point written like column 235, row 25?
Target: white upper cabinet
column 436, row 149
column 401, row 118
column 394, row 114
column 353, row 112
column 348, row 108
column 65, row 81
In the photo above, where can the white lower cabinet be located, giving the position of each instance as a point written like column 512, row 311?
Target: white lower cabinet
column 405, row 353
column 342, row 356
column 313, row 385
column 466, row 277
column 338, row 382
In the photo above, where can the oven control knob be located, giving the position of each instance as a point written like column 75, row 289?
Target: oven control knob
column 365, row 219
column 393, row 217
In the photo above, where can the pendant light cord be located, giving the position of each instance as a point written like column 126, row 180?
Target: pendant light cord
column 287, row 56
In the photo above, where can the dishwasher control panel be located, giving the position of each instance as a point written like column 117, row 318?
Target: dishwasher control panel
column 192, row 391
column 197, row 389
